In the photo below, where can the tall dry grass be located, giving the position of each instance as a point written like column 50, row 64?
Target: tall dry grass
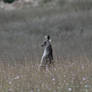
column 68, row 75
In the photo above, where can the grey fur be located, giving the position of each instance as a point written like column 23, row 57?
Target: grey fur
column 47, row 56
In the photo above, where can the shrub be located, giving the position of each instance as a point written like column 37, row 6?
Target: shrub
column 8, row 1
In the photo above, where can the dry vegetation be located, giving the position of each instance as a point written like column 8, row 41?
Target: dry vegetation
column 67, row 76
column 63, row 4
column 22, row 28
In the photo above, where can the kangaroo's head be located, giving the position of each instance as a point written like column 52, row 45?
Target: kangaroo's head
column 47, row 40
column 47, row 37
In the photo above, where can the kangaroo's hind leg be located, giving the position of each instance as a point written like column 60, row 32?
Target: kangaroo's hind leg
column 43, row 63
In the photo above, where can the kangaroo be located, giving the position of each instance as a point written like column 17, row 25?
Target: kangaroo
column 47, row 57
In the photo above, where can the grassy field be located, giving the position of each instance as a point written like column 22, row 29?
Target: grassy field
column 67, row 76
column 21, row 33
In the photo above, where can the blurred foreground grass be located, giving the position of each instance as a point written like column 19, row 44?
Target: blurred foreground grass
column 73, row 75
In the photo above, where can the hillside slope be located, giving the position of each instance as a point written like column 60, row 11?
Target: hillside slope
column 22, row 31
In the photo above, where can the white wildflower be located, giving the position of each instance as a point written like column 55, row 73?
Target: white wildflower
column 69, row 89
column 83, row 78
column 17, row 77
column 53, row 79
column 86, row 86
column 10, row 82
